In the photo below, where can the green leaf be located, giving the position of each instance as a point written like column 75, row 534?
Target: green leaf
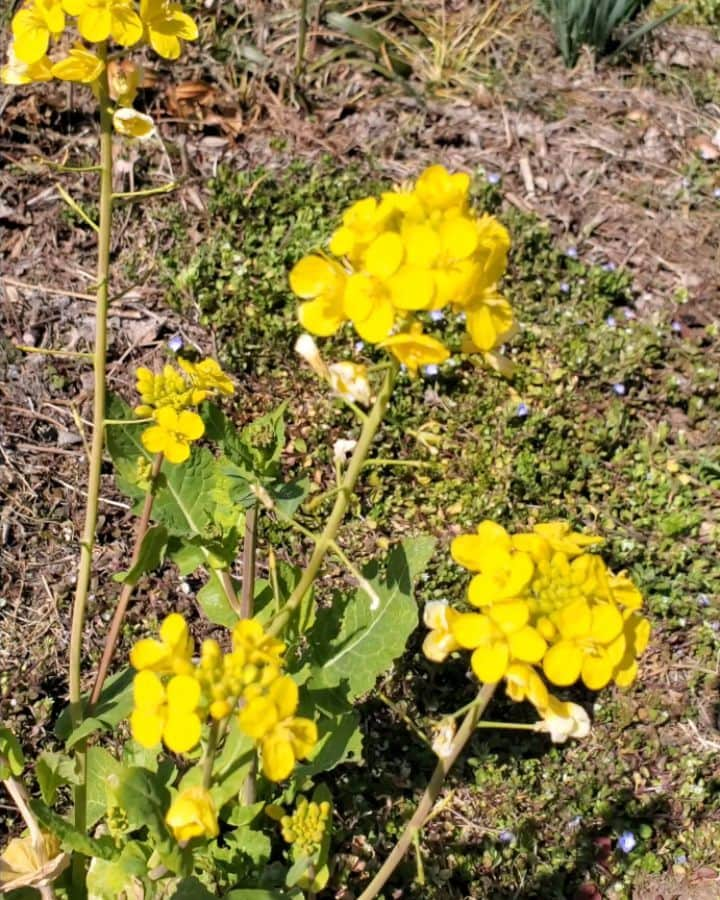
column 244, row 815
column 146, row 800
column 53, row 770
column 152, row 554
column 232, row 765
column 191, row 889
column 262, row 894
column 70, row 837
column 214, row 602
column 369, row 640
column 100, row 765
column 114, row 704
column 339, row 740
column 13, row 760
column 110, row 879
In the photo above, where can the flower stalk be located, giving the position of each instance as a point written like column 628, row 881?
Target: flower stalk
column 326, row 540
column 432, row 792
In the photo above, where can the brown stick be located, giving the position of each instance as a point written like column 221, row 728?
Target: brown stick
column 127, row 589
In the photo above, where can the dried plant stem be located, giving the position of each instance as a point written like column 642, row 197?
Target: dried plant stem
column 127, row 589
column 96, row 452
column 22, row 802
column 432, row 792
column 326, row 541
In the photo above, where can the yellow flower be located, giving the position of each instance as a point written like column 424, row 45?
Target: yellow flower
column 166, row 713
column 362, row 223
column 206, row 378
column 99, row 20
column 173, row 433
column 18, row 72
column 438, row 190
column 165, row 26
column 414, row 349
column 469, row 550
column 171, row 655
column 440, row 643
column 503, row 576
column 367, row 303
column 563, row 720
column 283, row 737
column 524, row 683
column 498, row 638
column 560, row 538
column 349, row 381
column 259, row 648
column 32, row 27
column 192, row 814
column 321, row 283
column 79, row 65
column 133, row 124
column 490, row 320
column 168, row 388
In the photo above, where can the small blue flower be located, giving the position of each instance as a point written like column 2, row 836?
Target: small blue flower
column 627, row 842
column 681, row 859
column 676, row 327
column 522, row 411
column 493, row 178
column 716, row 193
column 437, row 315
column 461, row 317
column 703, row 600
column 619, row 389
column 609, row 267
column 359, row 346
column 564, row 287
column 610, row 322
column 572, row 252
column 430, row 371
column 574, row 823
column 630, row 314
column 506, row 837
column 175, row 343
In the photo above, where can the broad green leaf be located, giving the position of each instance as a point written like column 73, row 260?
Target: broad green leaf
column 53, row 770
column 214, row 602
column 146, row 800
column 369, row 640
column 233, row 764
column 114, row 705
column 13, row 761
column 100, row 765
column 110, row 879
column 340, row 740
column 191, row 889
column 152, row 554
column 244, row 815
column 70, row 837
column 262, row 894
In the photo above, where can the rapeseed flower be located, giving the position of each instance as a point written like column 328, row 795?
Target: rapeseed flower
column 33, row 25
column 415, row 349
column 173, row 433
column 192, row 814
column 80, row 65
column 166, row 712
column 133, row 124
column 171, row 655
column 166, row 25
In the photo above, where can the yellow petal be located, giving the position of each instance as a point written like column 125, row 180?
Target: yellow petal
column 148, row 654
column 183, row 694
column 176, row 451
column 320, row 317
column 490, row 663
column 278, row 759
column 412, row 288
column 94, row 23
column 303, row 735
column 31, row 36
column 146, row 727
column 133, row 124
column 597, row 671
column 510, row 615
column 527, row 645
column 190, row 425
column 384, row 255
column 563, row 663
column 284, row 693
column 377, row 326
column 473, row 630
column 607, row 623
column 148, row 690
column 182, row 731
column 258, row 717
column 312, row 276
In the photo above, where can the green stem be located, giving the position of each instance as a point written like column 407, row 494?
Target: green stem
column 246, row 612
column 209, row 757
column 96, row 453
column 301, row 37
column 432, row 792
column 342, row 501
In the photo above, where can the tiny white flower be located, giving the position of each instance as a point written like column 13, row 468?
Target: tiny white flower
column 342, row 448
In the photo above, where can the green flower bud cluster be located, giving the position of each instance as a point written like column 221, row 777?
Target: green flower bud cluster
column 305, row 828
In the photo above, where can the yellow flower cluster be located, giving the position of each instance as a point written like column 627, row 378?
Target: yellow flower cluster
column 247, row 681
column 159, row 23
column 305, row 828
column 545, row 605
column 419, row 248
column 166, row 397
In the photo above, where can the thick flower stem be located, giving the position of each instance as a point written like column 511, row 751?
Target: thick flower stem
column 432, row 792
column 209, row 758
column 127, row 589
column 342, row 501
column 96, row 452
